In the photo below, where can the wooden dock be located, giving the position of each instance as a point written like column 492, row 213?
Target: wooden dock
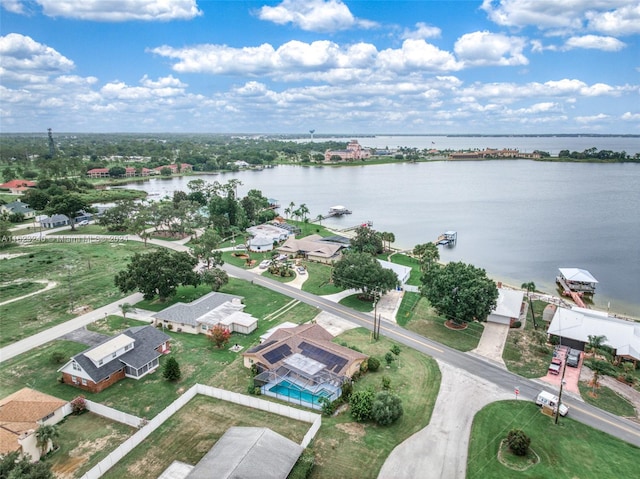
column 575, row 296
column 448, row 238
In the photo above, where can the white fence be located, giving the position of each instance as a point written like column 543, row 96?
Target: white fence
column 249, row 401
column 114, row 414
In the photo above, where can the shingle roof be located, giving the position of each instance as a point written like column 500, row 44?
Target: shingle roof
column 147, row 339
column 188, row 313
column 20, row 412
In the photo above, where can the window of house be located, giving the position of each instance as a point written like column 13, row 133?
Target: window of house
column 47, row 417
column 74, row 380
column 205, row 327
column 113, row 355
column 76, row 366
column 127, row 347
column 84, row 382
column 100, row 362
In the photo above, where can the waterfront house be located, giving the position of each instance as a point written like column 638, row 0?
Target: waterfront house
column 509, row 307
column 574, row 326
column 21, row 414
column 132, row 354
column 313, row 248
column 353, row 152
column 98, row 173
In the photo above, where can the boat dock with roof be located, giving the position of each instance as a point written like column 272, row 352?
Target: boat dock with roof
column 448, row 238
column 575, row 282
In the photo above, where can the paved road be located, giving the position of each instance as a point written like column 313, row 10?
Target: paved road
column 529, row 389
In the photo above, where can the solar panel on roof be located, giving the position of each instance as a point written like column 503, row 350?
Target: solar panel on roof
column 277, row 354
column 331, row 360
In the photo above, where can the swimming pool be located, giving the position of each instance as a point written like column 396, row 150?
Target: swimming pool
column 295, row 393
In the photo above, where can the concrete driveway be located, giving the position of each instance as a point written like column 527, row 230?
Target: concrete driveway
column 492, row 342
column 440, row 449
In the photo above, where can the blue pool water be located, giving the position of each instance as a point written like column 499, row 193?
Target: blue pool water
column 295, row 393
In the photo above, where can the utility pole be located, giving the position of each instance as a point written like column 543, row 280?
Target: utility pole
column 564, row 367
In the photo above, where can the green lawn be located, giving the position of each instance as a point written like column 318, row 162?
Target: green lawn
column 568, row 450
column 347, row 449
column 607, row 399
column 92, row 229
column 416, row 315
column 354, row 302
column 84, row 441
column 192, row 431
column 526, row 351
column 319, row 280
column 84, row 275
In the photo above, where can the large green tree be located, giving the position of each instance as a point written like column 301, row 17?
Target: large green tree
column 363, row 272
column 460, row 292
column 206, row 248
column 12, row 466
column 367, row 240
column 69, row 204
column 158, row 273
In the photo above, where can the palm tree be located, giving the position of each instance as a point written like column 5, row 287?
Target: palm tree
column 303, row 211
column 287, row 212
column 598, row 369
column 127, row 308
column 530, row 287
column 45, row 436
column 595, row 343
column 319, row 219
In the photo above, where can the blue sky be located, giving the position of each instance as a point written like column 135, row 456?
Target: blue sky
column 336, row 66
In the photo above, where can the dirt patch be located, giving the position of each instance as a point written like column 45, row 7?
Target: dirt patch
column 355, row 430
column 458, row 327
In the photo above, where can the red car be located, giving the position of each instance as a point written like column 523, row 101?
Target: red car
column 554, row 367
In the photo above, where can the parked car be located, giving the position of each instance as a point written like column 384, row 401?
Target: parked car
column 573, row 358
column 555, row 366
column 549, row 400
column 301, row 270
column 240, row 247
column 264, row 264
column 83, row 223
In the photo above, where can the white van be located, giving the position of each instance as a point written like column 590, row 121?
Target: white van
column 548, row 399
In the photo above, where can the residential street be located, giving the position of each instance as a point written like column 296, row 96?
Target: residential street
column 499, row 383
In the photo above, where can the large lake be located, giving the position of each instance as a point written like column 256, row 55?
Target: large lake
column 520, row 220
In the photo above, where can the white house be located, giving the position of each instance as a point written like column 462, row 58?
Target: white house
column 403, row 272
column 575, row 325
column 508, row 306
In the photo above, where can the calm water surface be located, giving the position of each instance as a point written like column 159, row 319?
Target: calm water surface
column 520, row 220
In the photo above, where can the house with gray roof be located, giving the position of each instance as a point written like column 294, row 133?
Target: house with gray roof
column 18, row 207
column 54, row 221
column 133, row 354
column 199, row 316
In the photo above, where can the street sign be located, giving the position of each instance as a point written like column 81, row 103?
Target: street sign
column 517, row 391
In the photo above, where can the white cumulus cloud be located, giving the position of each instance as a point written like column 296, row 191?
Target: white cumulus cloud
column 422, row 31
column 121, row 10
column 22, row 54
column 313, row 15
column 594, row 42
column 623, row 21
column 486, row 48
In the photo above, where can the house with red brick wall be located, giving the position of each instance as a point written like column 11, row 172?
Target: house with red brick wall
column 132, row 354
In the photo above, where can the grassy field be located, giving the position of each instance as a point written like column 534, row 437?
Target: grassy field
column 15, row 290
column 416, row 315
column 526, row 351
column 84, row 441
column 568, row 450
column 347, row 449
column 84, row 275
column 92, row 229
column 607, row 399
column 192, row 431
